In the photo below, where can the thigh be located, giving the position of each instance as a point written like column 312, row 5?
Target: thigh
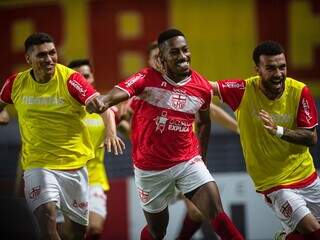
column 155, row 189
column 311, row 195
column 74, row 195
column 289, row 206
column 97, row 201
column 41, row 186
column 191, row 174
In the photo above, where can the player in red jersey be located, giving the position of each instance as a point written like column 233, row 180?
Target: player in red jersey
column 166, row 152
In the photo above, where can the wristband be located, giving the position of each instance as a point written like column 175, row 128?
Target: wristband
column 279, row 132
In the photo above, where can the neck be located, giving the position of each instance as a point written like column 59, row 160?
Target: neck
column 39, row 77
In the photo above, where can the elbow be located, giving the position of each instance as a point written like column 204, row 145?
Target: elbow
column 314, row 140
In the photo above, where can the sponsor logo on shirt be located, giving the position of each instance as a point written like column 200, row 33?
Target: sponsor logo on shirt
column 78, row 87
column 143, row 195
column 35, row 192
column 176, row 125
column 132, row 80
column 239, row 85
column 306, row 109
column 30, row 100
column 161, row 121
column 281, row 119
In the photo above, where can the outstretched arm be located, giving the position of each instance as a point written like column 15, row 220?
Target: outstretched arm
column 203, row 130
column 112, row 141
column 302, row 136
column 217, row 114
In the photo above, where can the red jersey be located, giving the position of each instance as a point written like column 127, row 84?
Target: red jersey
column 162, row 123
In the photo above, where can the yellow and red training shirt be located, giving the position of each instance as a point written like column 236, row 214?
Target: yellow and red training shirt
column 50, row 116
column 272, row 162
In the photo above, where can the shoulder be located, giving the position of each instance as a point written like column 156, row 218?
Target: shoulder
column 201, row 80
column 294, row 84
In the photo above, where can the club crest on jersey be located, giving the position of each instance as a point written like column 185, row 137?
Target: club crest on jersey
column 286, row 209
column 178, row 100
column 161, row 121
column 35, row 192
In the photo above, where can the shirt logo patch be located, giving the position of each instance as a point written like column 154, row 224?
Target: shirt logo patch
column 35, row 192
column 161, row 121
column 134, row 79
column 306, row 110
column 239, row 85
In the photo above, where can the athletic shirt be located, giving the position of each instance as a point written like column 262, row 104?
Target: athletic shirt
column 162, row 134
column 271, row 162
column 95, row 166
column 50, row 118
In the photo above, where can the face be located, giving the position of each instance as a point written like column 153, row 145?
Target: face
column 42, row 58
column 272, row 71
column 86, row 72
column 176, row 57
column 153, row 56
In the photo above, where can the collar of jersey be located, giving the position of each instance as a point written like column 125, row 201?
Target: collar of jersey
column 181, row 83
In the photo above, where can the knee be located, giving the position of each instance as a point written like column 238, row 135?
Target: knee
column 95, row 229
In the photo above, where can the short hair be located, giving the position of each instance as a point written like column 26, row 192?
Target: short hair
column 79, row 62
column 268, row 48
column 36, row 39
column 170, row 33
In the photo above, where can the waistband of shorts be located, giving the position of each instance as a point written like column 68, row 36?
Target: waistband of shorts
column 300, row 184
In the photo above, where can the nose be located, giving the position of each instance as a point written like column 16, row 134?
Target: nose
column 48, row 58
column 183, row 55
column 278, row 72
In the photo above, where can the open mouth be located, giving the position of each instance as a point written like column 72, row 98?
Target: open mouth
column 184, row 65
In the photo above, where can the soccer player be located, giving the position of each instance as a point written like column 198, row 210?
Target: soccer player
column 49, row 100
column 277, row 118
column 166, row 152
column 102, row 131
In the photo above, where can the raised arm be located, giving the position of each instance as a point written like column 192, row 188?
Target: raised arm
column 203, row 131
column 112, row 141
column 218, row 115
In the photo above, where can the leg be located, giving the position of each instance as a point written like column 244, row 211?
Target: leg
column 95, row 228
column 157, row 223
column 46, row 217
column 73, row 230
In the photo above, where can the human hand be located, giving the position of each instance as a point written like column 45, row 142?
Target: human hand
column 268, row 122
column 96, row 105
column 115, row 143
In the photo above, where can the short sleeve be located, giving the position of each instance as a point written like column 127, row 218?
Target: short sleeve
column 135, row 84
column 80, row 89
column 231, row 92
column 6, row 90
column 207, row 99
column 307, row 116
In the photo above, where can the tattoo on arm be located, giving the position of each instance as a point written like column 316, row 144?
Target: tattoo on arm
column 301, row 136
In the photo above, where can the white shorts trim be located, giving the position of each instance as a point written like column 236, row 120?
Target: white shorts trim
column 69, row 189
column 157, row 188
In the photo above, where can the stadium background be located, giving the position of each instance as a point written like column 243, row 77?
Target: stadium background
column 115, row 34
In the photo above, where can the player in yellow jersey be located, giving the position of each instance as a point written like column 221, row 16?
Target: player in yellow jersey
column 277, row 118
column 102, row 131
column 50, row 99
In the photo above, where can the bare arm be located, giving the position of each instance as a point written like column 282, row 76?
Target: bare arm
column 217, row 114
column 112, row 141
column 301, row 136
column 215, row 88
column 204, row 128
column 102, row 102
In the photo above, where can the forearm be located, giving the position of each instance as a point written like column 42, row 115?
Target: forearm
column 114, row 97
column 301, row 136
column 219, row 116
column 203, row 136
column 110, row 123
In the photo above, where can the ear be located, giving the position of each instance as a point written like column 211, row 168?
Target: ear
column 257, row 70
column 27, row 57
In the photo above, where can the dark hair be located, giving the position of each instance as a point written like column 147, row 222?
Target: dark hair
column 79, row 62
column 36, row 39
column 170, row 33
column 268, row 48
